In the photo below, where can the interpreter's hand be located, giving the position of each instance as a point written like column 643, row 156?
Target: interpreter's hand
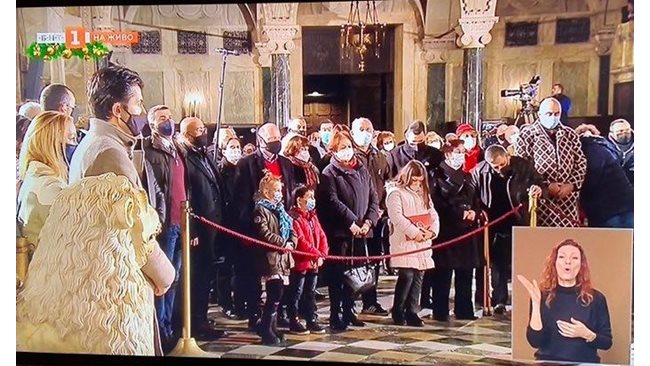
column 574, row 329
column 535, row 191
column 194, row 242
column 469, row 215
column 355, row 229
column 420, row 237
column 532, row 288
column 428, row 235
column 565, row 190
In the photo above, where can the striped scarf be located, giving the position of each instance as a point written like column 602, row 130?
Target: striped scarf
column 286, row 222
column 311, row 172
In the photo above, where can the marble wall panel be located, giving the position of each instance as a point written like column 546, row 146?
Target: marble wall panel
column 153, row 92
column 239, row 98
column 574, row 76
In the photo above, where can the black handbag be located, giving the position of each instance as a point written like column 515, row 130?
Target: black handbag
column 359, row 279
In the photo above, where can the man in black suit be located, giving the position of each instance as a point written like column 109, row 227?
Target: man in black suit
column 206, row 196
column 415, row 148
column 250, row 171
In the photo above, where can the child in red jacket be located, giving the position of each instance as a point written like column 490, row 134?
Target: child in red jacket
column 304, row 274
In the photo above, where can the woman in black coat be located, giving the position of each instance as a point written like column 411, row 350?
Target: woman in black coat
column 456, row 206
column 349, row 209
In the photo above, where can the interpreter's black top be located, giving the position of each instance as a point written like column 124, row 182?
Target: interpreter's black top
column 553, row 346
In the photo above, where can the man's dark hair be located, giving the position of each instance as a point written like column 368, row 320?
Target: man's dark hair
column 111, row 85
column 494, row 151
column 559, row 86
column 417, row 127
column 54, row 95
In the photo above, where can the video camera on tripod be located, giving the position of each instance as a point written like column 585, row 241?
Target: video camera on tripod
column 526, row 93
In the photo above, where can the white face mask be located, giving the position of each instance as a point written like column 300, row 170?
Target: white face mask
column 303, row 156
column 232, row 155
column 549, row 122
column 435, row 145
column 362, row 138
column 390, row 146
column 345, row 154
column 469, row 142
column 456, row 160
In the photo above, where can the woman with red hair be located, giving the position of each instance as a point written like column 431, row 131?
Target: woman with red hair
column 569, row 319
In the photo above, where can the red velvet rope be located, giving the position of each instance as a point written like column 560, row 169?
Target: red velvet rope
column 345, row 258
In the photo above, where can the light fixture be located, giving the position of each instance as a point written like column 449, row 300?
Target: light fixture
column 193, row 101
column 315, row 94
column 357, row 36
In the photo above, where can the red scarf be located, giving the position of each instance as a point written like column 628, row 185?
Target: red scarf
column 310, row 171
column 471, row 159
column 352, row 164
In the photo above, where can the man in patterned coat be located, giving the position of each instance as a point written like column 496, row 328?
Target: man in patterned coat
column 556, row 152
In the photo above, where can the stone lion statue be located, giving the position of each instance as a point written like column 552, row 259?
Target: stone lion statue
column 90, row 285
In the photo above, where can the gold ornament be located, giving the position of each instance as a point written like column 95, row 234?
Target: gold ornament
column 56, row 47
column 66, row 54
column 46, row 58
column 85, row 50
column 50, row 51
column 87, row 57
column 37, row 52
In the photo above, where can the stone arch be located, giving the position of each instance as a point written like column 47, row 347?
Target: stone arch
column 419, row 16
column 132, row 11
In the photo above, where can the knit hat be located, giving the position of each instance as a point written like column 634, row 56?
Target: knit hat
column 465, row 127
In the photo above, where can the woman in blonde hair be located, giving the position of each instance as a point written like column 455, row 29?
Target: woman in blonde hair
column 413, row 225
column 45, row 155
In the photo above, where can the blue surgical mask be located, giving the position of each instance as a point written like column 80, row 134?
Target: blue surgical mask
column 311, row 204
column 326, row 137
column 69, row 151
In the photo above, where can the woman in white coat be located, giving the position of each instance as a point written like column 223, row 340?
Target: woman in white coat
column 413, row 225
column 45, row 154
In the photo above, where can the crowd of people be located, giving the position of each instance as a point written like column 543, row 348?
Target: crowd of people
column 339, row 190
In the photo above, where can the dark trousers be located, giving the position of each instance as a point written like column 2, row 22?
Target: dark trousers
column 463, row 292
column 407, row 291
column 247, row 292
column 224, row 284
column 170, row 244
column 500, row 271
column 202, row 274
column 301, row 287
column 341, row 295
column 426, row 297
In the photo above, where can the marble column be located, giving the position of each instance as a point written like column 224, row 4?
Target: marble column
column 477, row 19
column 435, row 53
column 472, row 86
column 280, row 89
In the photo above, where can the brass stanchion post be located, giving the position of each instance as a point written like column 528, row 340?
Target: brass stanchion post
column 532, row 210
column 487, row 301
column 187, row 345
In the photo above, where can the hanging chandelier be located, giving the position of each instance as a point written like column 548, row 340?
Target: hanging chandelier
column 358, row 37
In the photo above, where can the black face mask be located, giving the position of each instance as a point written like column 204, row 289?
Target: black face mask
column 624, row 139
column 135, row 123
column 274, row 147
column 201, row 141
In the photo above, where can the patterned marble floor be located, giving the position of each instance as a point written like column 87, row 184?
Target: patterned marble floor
column 485, row 341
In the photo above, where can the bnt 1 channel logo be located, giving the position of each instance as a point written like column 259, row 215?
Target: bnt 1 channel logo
column 77, row 37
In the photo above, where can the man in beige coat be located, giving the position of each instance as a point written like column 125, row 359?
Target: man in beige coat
column 115, row 99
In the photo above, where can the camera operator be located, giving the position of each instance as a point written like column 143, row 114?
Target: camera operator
column 565, row 102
